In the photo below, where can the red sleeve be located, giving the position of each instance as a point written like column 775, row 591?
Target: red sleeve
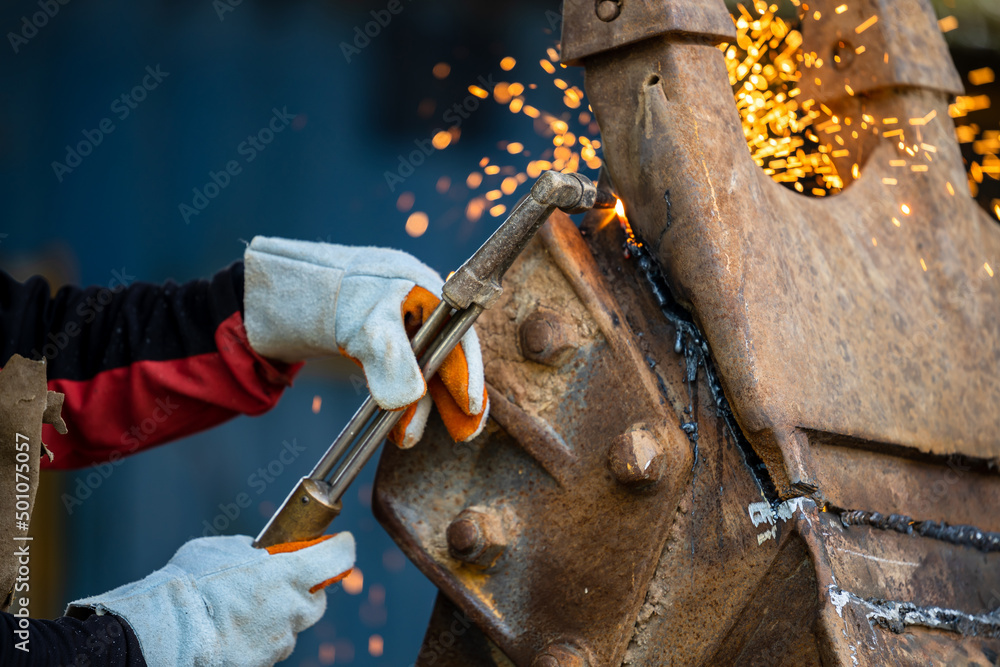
column 125, row 410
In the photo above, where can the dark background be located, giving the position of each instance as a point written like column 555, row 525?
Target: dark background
column 321, row 179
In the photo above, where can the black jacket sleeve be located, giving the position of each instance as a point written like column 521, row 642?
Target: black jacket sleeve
column 98, row 641
column 140, row 364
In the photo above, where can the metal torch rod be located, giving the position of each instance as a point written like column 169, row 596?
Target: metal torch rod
column 370, row 408
column 384, row 423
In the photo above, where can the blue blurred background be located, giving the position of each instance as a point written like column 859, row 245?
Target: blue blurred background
column 228, row 64
column 224, row 67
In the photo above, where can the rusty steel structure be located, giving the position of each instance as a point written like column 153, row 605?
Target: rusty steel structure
column 749, row 435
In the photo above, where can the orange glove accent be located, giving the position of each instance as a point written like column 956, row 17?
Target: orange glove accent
column 288, row 547
column 449, row 388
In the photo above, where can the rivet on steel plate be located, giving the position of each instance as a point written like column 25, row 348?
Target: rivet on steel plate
column 608, row 10
column 476, row 536
column 636, row 459
column 546, row 338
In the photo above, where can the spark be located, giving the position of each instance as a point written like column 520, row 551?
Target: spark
column 948, row 23
column 989, row 269
column 474, row 209
column 317, row 404
column 867, row 24
column 923, row 264
column 441, row 140
column 905, row 209
column 354, row 583
column 982, row 76
column 417, row 224
column 441, row 71
column 507, row 64
column 405, row 202
column 765, row 65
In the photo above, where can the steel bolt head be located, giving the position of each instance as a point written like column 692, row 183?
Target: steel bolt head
column 546, row 660
column 464, row 536
column 608, row 10
column 636, row 459
column 561, row 655
column 546, row 338
column 476, row 536
column 536, row 334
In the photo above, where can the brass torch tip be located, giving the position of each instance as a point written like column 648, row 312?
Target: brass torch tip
column 605, row 199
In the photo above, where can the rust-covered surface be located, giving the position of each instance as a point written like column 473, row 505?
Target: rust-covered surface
column 579, row 533
column 768, row 436
column 813, row 326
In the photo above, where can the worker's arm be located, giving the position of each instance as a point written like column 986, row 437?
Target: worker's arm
column 139, row 365
column 146, row 364
column 97, row 641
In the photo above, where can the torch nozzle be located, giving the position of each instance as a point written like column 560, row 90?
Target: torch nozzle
column 605, row 199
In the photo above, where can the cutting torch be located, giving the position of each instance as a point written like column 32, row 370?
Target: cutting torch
column 316, row 500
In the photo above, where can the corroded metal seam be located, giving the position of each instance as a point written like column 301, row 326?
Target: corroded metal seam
column 897, row 616
column 966, row 536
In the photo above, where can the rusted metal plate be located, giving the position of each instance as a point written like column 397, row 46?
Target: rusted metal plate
column 586, row 33
column 888, row 598
column 578, row 544
column 812, row 324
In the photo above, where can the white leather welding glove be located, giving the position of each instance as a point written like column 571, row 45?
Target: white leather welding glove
column 304, row 299
column 221, row 602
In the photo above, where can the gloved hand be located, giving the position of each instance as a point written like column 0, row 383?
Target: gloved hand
column 220, row 602
column 304, row 299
